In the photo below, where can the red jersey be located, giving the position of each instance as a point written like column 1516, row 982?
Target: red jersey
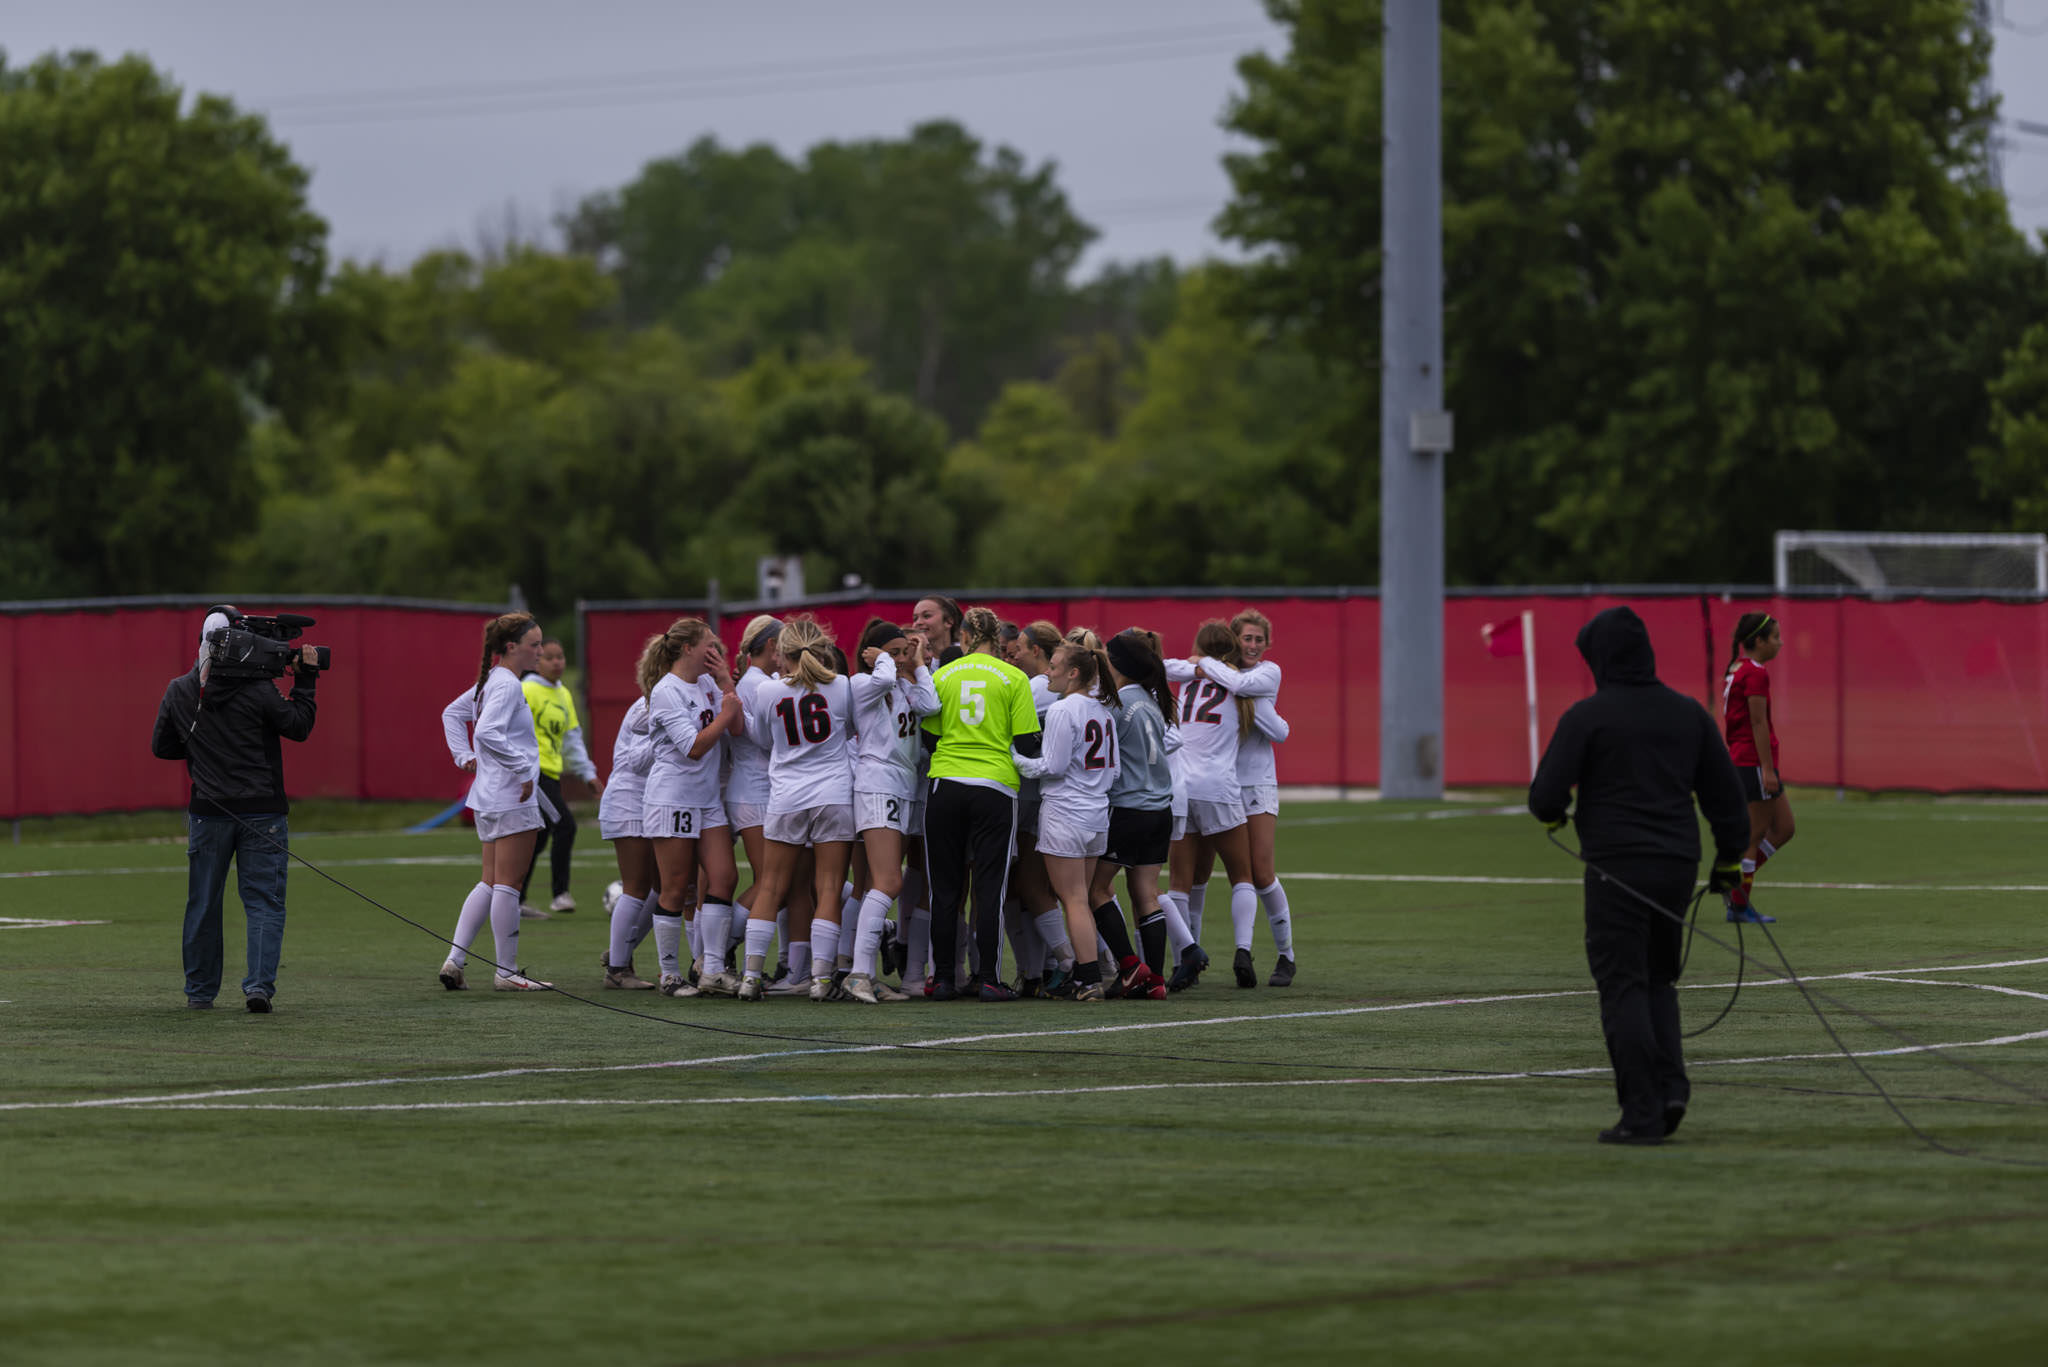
column 1747, row 680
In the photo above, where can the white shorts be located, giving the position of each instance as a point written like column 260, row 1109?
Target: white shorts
column 1180, row 825
column 512, row 821
column 1262, row 800
column 746, row 815
column 681, row 823
column 1214, row 818
column 812, row 825
column 629, row 826
column 1070, row 839
column 881, row 812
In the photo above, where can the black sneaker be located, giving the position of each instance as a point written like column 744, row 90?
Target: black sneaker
column 1674, row 1112
column 258, row 1004
column 1283, row 973
column 1247, row 976
column 997, row 992
column 1188, row 971
column 942, row 990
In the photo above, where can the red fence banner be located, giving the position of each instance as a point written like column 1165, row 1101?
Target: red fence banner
column 80, row 684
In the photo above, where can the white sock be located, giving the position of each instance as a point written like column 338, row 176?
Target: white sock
column 1766, row 849
column 505, row 927
column 1244, row 909
column 759, row 933
column 917, row 941
column 867, row 943
column 1195, row 897
column 824, row 948
column 625, row 915
column 1274, row 899
column 800, row 960
column 693, row 931
column 476, row 909
column 714, row 920
column 1177, row 937
column 643, row 921
column 1052, row 928
column 668, row 943
column 845, row 894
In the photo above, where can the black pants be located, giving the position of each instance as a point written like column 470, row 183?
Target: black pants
column 968, row 832
column 563, row 833
column 1633, row 952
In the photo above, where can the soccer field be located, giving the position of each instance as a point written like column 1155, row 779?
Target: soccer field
column 1391, row 1160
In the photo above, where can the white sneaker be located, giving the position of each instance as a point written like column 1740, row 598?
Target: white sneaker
column 722, row 984
column 676, row 985
column 451, row 976
column 821, row 989
column 789, row 985
column 563, row 903
column 518, row 982
column 886, row 993
column 750, row 988
column 625, row 979
column 530, row 912
column 860, row 987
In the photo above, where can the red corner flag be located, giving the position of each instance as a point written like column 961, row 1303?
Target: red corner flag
column 1503, row 638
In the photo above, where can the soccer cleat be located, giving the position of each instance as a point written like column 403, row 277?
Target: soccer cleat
column 675, row 985
column 258, row 1004
column 860, row 987
column 517, row 981
column 451, row 976
column 788, row 985
column 1030, row 989
column 1749, row 915
column 1136, row 979
column 624, row 979
column 821, row 989
column 529, row 912
column 1188, row 971
column 563, row 902
column 1058, row 982
column 941, row 990
column 1089, row 992
column 750, row 988
column 885, row 993
column 1247, row 976
column 1283, row 973
column 719, row 984
column 997, row 992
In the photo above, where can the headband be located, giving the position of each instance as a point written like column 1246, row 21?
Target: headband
column 881, row 634
column 1761, row 628
column 774, row 628
column 1130, row 659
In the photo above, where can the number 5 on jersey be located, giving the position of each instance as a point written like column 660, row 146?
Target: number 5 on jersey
column 973, row 707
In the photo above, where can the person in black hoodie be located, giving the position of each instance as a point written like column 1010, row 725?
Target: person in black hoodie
column 227, row 732
column 1638, row 752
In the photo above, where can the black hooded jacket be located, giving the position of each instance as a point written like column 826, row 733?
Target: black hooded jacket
column 1637, row 752
column 233, row 755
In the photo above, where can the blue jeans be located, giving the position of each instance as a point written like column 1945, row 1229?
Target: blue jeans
column 259, row 853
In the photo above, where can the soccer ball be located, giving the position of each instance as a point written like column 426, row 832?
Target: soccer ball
column 613, row 891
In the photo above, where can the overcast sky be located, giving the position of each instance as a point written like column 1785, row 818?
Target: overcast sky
column 421, row 120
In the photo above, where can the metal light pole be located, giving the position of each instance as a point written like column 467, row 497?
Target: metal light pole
column 1415, row 432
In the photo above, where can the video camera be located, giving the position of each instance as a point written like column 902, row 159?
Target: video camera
column 256, row 647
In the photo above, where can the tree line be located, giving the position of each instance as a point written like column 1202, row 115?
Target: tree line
column 1712, row 268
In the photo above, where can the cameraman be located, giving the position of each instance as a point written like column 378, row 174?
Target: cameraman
column 1638, row 752
column 226, row 731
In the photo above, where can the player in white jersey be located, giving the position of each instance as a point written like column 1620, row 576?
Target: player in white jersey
column 746, row 779
column 506, row 760
column 1076, row 766
column 682, row 811
column 891, row 697
column 620, row 820
column 1213, row 724
column 805, row 720
column 1247, row 674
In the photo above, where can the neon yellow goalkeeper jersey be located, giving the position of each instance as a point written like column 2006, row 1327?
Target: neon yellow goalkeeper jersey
column 984, row 703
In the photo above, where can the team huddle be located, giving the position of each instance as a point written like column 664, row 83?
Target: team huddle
column 953, row 773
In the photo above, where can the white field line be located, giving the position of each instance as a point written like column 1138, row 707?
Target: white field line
column 829, row 1097
column 1446, row 879
column 32, row 923
column 953, row 1040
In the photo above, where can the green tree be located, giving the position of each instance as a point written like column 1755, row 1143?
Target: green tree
column 2013, row 466
column 1711, row 267
column 159, row 287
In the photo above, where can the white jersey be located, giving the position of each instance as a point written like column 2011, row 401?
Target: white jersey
column 632, row 752
column 808, row 734
column 456, row 719
column 1208, row 734
column 1076, row 764
column 886, row 711
column 1261, row 684
column 677, row 711
column 1042, row 696
column 507, row 751
column 746, row 783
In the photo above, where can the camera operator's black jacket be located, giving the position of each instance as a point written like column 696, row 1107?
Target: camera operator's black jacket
column 1638, row 751
column 236, row 762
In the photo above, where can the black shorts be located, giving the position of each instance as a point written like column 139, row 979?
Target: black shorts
column 1752, row 776
column 1027, row 821
column 1139, row 836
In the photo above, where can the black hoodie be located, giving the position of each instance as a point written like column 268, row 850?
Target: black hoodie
column 1637, row 752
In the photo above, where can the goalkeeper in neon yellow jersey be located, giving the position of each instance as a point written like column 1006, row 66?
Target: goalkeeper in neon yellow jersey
column 560, row 733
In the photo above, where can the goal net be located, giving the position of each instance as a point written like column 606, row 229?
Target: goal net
column 1908, row 563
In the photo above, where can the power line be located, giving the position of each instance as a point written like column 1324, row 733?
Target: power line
column 630, row 88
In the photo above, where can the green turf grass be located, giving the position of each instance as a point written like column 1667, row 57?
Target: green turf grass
column 727, row 1213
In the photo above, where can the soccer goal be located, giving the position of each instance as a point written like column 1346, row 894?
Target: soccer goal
column 1993, row 563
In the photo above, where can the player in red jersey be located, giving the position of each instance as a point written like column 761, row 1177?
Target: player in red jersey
column 1746, row 710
